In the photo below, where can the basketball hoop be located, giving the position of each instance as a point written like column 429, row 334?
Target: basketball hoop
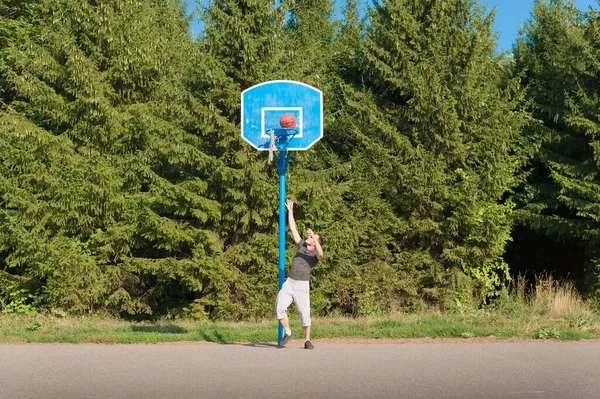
column 291, row 113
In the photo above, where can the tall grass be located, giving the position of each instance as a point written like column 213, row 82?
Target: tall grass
column 560, row 299
column 545, row 307
column 545, row 297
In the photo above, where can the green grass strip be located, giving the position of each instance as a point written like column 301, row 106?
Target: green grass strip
column 44, row 328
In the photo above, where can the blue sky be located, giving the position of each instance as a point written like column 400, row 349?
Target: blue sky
column 511, row 13
column 509, row 16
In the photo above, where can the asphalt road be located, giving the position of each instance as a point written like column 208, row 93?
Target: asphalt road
column 538, row 370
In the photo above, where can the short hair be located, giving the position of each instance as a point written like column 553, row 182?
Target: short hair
column 320, row 240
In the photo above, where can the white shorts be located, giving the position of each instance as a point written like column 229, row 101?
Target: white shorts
column 298, row 292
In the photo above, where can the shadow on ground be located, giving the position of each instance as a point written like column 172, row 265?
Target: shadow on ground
column 159, row 329
column 261, row 345
column 252, row 344
column 215, row 336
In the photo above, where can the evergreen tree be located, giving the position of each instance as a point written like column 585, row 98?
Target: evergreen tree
column 558, row 57
column 310, row 30
column 104, row 183
column 125, row 184
column 442, row 128
column 240, row 47
column 295, row 48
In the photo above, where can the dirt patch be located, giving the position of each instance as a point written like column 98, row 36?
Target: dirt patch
column 376, row 341
column 340, row 341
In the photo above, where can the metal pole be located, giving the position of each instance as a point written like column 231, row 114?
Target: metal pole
column 282, row 163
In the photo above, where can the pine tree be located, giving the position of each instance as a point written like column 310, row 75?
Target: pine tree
column 295, row 48
column 240, row 47
column 558, row 57
column 309, row 33
column 104, row 190
column 445, row 130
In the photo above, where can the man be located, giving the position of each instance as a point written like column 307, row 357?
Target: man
column 296, row 287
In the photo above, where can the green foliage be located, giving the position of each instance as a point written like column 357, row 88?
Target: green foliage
column 125, row 186
column 17, row 295
column 437, row 133
column 103, row 189
column 558, row 57
column 547, row 333
column 32, row 326
column 17, row 299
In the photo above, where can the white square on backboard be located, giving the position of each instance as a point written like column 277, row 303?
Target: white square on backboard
column 265, row 110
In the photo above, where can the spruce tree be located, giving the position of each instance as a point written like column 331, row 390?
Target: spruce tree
column 267, row 45
column 240, row 47
column 104, row 191
column 309, row 33
column 338, row 199
column 558, row 57
column 444, row 128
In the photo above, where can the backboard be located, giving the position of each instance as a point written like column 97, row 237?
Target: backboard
column 264, row 104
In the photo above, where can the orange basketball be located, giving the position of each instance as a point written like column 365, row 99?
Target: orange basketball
column 287, row 121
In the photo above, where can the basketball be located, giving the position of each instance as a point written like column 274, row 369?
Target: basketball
column 287, row 121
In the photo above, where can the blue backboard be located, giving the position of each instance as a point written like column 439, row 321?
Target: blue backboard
column 264, row 104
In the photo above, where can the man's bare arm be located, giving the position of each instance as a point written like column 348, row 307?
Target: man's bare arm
column 290, row 207
column 317, row 244
column 319, row 249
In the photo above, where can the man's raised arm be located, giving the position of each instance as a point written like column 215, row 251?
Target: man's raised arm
column 319, row 249
column 317, row 243
column 290, row 207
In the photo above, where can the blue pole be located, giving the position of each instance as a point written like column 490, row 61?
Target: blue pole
column 282, row 163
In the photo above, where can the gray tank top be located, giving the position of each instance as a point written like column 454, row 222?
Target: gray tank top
column 303, row 263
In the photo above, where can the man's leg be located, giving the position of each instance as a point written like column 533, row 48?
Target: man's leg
column 303, row 304
column 284, row 300
column 306, row 333
column 285, row 322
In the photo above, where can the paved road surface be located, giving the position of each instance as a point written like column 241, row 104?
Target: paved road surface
column 499, row 370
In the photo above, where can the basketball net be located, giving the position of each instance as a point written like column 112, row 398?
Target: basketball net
column 272, row 147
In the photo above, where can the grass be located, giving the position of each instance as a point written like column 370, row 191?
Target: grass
column 548, row 310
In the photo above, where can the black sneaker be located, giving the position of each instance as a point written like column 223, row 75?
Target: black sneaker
column 286, row 339
column 308, row 345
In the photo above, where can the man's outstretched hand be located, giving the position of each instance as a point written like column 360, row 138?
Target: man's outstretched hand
column 290, row 207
